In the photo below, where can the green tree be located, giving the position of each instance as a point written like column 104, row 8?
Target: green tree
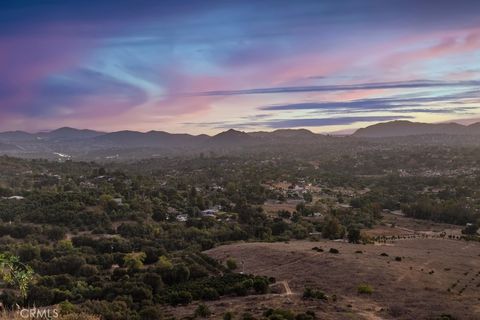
column 15, row 273
column 332, row 229
column 354, row 235
column 134, row 260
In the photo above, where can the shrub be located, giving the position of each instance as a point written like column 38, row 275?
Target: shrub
column 66, row 307
column 309, row 315
column 365, row 289
column 231, row 264
column 210, row 294
column 247, row 316
column 240, row 290
column 398, row 258
column 134, row 260
column 150, row 313
column 334, row 251
column 279, row 314
column 310, row 293
column 383, row 254
column 260, row 285
column 202, row 311
column 228, row 316
column 179, row 297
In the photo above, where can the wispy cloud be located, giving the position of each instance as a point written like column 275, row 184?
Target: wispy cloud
column 416, row 84
column 451, row 103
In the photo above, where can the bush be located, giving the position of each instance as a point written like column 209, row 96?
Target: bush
column 383, row 254
column 228, row 316
column 231, row 264
column 247, row 316
column 210, row 294
column 279, row 314
column 365, row 289
column 310, row 293
column 309, row 315
column 398, row 258
column 260, row 285
column 202, row 311
column 240, row 290
column 66, row 307
column 88, row 270
column 179, row 297
column 150, row 313
column 334, row 251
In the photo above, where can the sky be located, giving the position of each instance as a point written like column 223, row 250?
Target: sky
column 206, row 66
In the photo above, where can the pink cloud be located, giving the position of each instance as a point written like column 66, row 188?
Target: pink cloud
column 27, row 59
column 447, row 44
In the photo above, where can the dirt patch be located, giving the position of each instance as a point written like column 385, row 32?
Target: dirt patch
column 431, row 277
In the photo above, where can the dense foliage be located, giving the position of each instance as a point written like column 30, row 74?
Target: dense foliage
column 124, row 239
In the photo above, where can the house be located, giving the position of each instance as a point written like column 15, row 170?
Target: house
column 15, row 198
column 208, row 213
column 182, row 218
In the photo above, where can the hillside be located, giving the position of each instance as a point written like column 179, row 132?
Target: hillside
column 70, row 143
column 408, row 128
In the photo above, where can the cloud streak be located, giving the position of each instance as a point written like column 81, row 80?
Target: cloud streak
column 451, row 103
column 416, row 84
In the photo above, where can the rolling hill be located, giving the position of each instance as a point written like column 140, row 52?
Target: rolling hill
column 408, row 128
column 73, row 143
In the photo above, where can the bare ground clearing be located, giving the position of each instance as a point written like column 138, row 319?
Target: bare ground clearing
column 434, row 277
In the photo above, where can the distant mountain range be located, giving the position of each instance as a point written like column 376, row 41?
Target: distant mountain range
column 66, row 143
column 408, row 128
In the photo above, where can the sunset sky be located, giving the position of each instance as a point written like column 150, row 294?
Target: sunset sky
column 205, row 66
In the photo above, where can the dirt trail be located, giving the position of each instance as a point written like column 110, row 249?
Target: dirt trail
column 288, row 291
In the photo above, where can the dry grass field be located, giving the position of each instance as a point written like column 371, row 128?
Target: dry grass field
column 434, row 277
column 271, row 209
